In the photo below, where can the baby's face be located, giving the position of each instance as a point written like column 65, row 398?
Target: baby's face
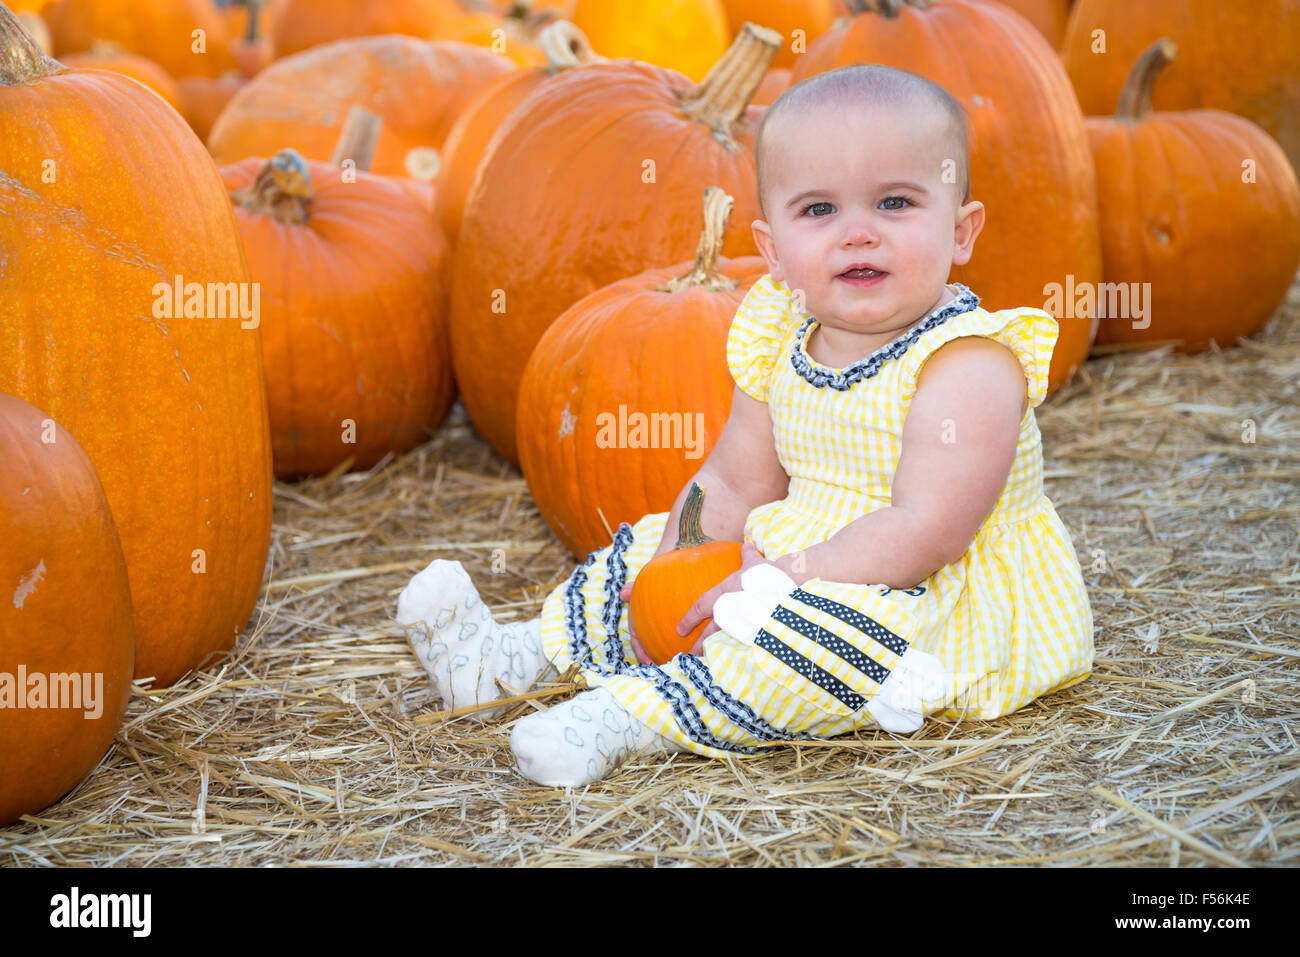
column 864, row 189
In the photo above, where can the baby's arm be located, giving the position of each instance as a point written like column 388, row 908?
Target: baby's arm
column 958, row 445
column 741, row 473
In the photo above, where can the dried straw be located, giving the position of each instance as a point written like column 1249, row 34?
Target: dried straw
column 318, row 741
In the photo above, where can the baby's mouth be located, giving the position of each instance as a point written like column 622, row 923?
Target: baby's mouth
column 861, row 273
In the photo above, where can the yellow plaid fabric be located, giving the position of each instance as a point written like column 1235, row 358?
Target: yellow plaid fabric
column 1010, row 620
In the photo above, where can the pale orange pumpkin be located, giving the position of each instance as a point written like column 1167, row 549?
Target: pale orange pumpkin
column 619, row 350
column 596, row 176
column 300, row 102
column 66, row 612
column 669, row 584
column 354, row 325
column 1029, row 156
column 171, row 408
column 1200, row 216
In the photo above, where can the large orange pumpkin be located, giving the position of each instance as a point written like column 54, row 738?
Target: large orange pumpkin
column 66, row 612
column 683, row 35
column 354, row 324
column 1200, row 210
column 617, row 358
column 300, row 102
column 1242, row 57
column 466, row 144
column 596, row 176
column 799, row 22
column 1050, row 17
column 184, row 37
column 109, row 56
column 669, row 584
column 171, row 408
column 1030, row 163
column 297, row 25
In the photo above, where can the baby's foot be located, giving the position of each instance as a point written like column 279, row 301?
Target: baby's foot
column 582, row 740
column 914, row 688
column 464, row 651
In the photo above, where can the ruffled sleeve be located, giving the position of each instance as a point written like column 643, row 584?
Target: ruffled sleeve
column 761, row 324
column 1029, row 333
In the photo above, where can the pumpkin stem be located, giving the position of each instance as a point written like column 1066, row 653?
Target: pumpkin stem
column 886, row 8
column 689, row 532
column 282, row 189
column 21, row 58
column 254, row 11
column 717, row 209
column 565, row 46
column 358, row 138
column 720, row 99
column 1135, row 97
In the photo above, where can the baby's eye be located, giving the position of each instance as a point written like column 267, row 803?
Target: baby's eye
column 898, row 202
column 826, row 208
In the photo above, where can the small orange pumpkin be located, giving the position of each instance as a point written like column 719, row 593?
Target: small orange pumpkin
column 671, row 583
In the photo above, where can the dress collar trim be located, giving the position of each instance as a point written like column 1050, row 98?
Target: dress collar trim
column 822, row 376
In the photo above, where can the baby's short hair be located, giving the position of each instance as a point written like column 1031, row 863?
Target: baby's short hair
column 873, row 85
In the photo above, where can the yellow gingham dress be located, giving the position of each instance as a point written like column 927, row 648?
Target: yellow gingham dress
column 1010, row 619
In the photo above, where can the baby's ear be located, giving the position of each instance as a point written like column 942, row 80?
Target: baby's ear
column 970, row 221
column 767, row 247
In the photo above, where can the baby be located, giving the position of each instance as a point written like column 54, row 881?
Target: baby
column 882, row 465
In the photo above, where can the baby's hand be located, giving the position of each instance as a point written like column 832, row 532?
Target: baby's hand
column 703, row 607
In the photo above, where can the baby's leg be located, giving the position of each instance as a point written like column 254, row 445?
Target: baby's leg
column 582, row 740
column 462, row 648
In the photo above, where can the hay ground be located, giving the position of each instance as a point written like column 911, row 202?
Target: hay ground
column 317, row 742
